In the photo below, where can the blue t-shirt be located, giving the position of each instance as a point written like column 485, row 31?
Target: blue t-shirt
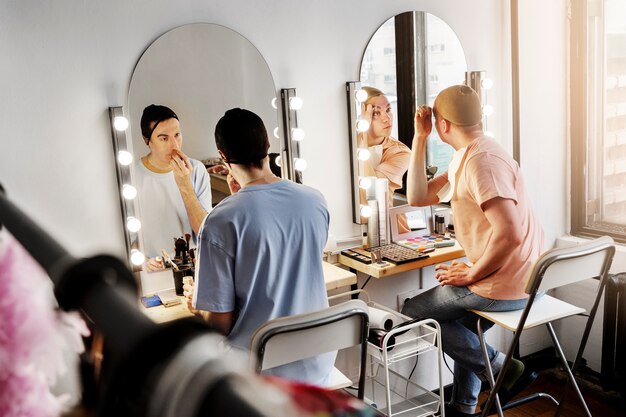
column 260, row 256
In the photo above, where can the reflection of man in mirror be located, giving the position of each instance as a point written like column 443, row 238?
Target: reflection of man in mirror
column 174, row 191
column 260, row 251
column 389, row 158
column 495, row 225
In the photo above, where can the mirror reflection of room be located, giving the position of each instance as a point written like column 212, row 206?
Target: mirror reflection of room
column 198, row 71
column 411, row 58
column 174, row 190
column 389, row 158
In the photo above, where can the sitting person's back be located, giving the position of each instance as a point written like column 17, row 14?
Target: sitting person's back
column 261, row 252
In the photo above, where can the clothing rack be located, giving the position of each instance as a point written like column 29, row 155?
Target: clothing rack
column 150, row 370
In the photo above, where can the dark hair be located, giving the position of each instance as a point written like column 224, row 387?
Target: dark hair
column 154, row 113
column 241, row 136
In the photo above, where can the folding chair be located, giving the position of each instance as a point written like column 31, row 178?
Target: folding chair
column 555, row 268
column 288, row 339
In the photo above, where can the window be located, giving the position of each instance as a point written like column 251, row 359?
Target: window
column 390, row 79
column 598, row 115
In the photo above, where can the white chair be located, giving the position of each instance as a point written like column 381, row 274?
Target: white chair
column 288, row 339
column 555, row 268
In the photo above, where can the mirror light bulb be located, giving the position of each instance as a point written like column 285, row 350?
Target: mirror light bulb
column 486, row 83
column 274, row 103
column 124, row 158
column 120, row 123
column 276, row 135
column 365, row 183
column 278, row 160
column 295, row 103
column 361, row 95
column 300, row 164
column 297, row 134
column 133, row 224
column 129, row 192
column 136, row 257
column 366, row 211
column 362, row 126
column 363, row 154
column 487, row 109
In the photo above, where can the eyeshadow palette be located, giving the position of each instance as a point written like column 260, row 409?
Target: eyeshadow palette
column 357, row 256
column 425, row 243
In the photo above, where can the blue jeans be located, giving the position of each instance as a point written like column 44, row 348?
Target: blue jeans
column 448, row 305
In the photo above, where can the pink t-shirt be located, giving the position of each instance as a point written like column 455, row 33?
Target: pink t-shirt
column 488, row 172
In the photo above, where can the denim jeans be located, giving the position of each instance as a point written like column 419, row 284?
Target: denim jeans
column 448, row 305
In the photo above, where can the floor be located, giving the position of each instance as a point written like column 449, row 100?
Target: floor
column 551, row 381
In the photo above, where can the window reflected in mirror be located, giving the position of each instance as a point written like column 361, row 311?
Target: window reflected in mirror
column 411, row 58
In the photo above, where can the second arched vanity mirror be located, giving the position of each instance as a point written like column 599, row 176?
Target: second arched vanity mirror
column 199, row 71
column 410, row 58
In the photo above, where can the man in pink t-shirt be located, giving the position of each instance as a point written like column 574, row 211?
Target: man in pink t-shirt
column 495, row 225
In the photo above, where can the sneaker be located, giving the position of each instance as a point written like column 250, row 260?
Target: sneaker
column 506, row 395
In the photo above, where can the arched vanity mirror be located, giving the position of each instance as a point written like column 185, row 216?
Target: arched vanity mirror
column 410, row 58
column 199, row 71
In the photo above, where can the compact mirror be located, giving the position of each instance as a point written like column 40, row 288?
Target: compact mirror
column 409, row 59
column 199, row 71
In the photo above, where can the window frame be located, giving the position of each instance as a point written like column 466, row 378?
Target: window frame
column 581, row 72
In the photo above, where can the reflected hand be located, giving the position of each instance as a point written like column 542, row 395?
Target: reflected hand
column 218, row 169
column 456, row 274
column 423, row 121
column 182, row 168
column 154, row 264
column 188, row 290
column 233, row 185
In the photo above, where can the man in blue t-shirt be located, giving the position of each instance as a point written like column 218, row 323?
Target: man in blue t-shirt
column 260, row 250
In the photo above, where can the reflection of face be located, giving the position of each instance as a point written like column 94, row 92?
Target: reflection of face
column 382, row 118
column 165, row 138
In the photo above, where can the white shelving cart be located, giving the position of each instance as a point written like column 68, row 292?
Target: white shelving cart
column 390, row 389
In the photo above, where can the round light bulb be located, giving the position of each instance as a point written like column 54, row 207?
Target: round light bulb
column 278, row 160
column 362, row 126
column 363, row 154
column 295, row 103
column 360, row 95
column 124, row 158
column 487, row 109
column 365, row 183
column 274, row 103
column 136, row 257
column 297, row 134
column 276, row 135
column 486, row 83
column 366, row 211
column 120, row 123
column 300, row 164
column 129, row 192
column 133, row 224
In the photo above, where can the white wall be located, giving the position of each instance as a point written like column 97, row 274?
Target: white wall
column 66, row 62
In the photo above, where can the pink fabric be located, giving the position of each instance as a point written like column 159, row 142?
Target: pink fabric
column 33, row 336
column 489, row 172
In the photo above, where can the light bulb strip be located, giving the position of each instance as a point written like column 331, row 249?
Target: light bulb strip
column 355, row 125
column 124, row 158
column 290, row 147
